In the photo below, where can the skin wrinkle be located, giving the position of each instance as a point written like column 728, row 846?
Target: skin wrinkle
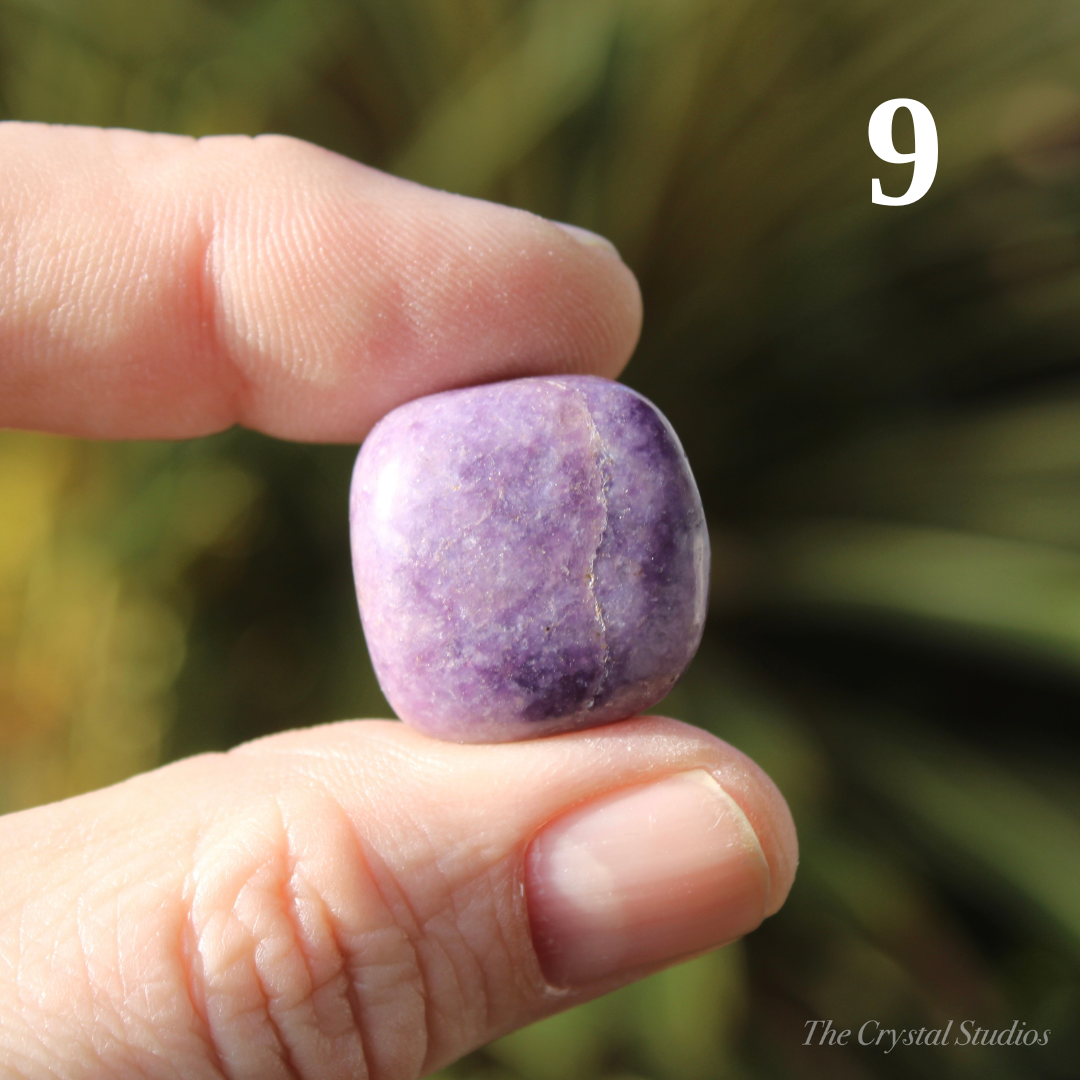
column 31, row 1032
column 206, row 297
column 256, row 337
column 28, row 998
column 410, row 929
column 480, row 1000
column 285, row 908
column 283, row 1033
column 462, row 902
column 86, row 951
column 291, row 901
column 189, row 230
column 177, row 955
column 191, row 965
column 352, row 997
column 354, row 965
column 139, row 987
column 46, row 1022
column 491, row 894
column 282, row 910
column 215, row 1035
column 421, row 940
column 430, row 936
column 365, row 860
column 26, row 1065
column 262, row 273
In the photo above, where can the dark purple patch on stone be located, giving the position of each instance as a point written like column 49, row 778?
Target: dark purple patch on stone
column 530, row 557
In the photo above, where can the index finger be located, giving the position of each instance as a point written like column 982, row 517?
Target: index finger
column 154, row 286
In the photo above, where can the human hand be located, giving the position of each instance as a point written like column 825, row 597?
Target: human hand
column 353, row 900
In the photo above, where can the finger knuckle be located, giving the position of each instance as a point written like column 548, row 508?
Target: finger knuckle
column 296, row 962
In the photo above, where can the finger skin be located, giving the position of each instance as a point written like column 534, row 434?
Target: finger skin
column 341, row 902
column 158, row 286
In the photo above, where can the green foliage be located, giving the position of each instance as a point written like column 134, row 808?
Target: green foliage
column 881, row 405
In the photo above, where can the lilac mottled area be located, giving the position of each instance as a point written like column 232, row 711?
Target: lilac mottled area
column 530, row 557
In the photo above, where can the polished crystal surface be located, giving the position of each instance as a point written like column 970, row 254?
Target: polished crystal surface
column 530, row 557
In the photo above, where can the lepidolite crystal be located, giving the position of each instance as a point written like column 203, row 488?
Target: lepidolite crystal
column 530, row 557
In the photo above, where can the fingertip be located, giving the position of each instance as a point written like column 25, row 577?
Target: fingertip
column 770, row 816
column 759, row 798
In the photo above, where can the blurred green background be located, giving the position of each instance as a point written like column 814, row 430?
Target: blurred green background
column 882, row 406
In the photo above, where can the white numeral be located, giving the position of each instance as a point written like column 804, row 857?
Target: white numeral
column 926, row 150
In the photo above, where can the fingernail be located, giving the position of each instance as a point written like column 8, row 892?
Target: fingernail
column 589, row 239
column 642, row 877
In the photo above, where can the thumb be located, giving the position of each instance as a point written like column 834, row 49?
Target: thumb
column 358, row 900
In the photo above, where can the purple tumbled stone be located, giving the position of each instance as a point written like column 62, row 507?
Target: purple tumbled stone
column 530, row 557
